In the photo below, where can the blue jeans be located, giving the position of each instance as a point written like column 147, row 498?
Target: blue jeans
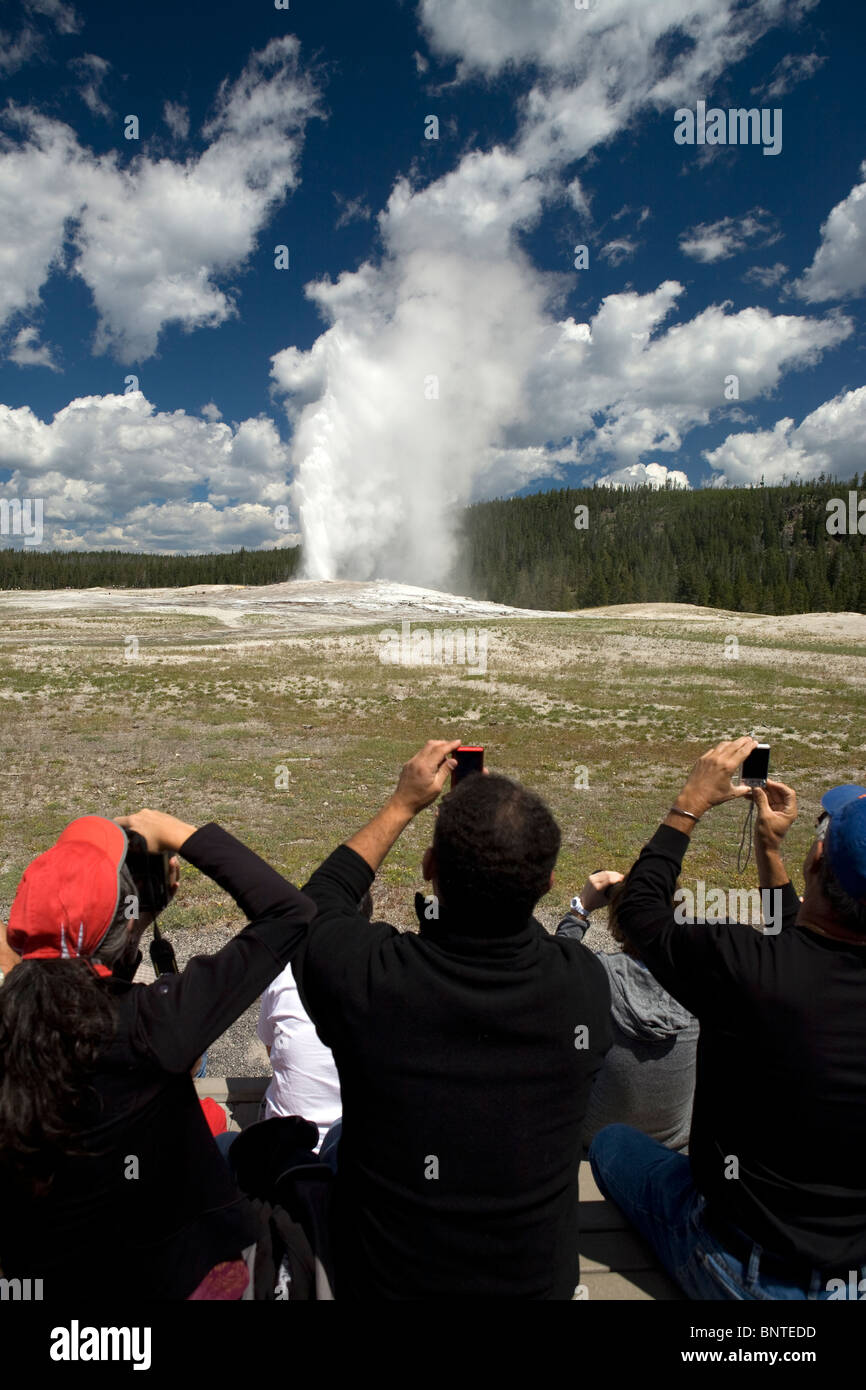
column 224, row 1142
column 328, row 1149
column 653, row 1188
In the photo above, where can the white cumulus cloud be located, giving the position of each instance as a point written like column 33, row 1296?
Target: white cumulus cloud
column 838, row 269
column 655, row 475
column 597, row 68
column 113, row 471
column 623, row 384
column 154, row 240
column 27, row 351
column 766, row 275
column 829, row 441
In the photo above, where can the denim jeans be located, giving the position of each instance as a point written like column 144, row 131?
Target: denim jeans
column 224, row 1142
column 653, row 1188
column 328, row 1149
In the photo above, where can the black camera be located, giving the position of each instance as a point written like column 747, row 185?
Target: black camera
column 152, row 877
column 756, row 767
column 150, row 873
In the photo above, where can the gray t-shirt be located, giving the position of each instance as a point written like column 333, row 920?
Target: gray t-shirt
column 648, row 1076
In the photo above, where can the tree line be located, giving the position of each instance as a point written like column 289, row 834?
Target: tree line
column 758, row 550
column 26, row 568
column 786, row 549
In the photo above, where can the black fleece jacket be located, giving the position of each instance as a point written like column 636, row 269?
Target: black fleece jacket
column 781, row 1066
column 465, row 1064
column 150, row 1207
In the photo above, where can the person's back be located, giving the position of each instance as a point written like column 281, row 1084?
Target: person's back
column 465, row 1054
column 149, row 1201
column 464, row 1086
column 776, row 1202
column 305, row 1080
column 780, row 1090
column 780, row 1096
column 109, row 1173
column 648, row 1076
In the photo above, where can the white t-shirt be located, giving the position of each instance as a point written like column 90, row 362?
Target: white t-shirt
column 305, row 1080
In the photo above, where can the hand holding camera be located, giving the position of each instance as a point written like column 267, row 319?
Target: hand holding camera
column 423, row 777
column 777, row 810
column 152, row 837
column 709, row 782
column 162, row 833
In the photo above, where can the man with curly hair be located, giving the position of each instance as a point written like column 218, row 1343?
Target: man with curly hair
column 466, row 1052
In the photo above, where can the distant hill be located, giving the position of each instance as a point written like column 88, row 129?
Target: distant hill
column 758, row 550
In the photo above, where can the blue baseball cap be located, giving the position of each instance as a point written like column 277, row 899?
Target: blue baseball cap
column 845, row 841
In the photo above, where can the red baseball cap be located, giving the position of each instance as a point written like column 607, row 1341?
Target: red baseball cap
column 68, row 897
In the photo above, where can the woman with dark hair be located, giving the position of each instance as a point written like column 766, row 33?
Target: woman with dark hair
column 647, row 1078
column 108, row 1171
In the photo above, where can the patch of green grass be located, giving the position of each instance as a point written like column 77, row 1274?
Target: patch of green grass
column 201, row 722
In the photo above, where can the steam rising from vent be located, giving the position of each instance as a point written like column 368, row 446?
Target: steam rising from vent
column 401, row 406
column 442, row 375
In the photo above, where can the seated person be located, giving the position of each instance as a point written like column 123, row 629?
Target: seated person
column 109, row 1174
column 305, row 1080
column 771, row 1202
column 465, row 1051
column 648, row 1076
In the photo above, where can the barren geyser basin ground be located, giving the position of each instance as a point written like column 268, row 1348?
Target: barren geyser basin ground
column 271, row 711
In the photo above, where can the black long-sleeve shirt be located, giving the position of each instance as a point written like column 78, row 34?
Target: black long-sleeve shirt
column 151, row 1208
column 465, row 1064
column 781, row 1065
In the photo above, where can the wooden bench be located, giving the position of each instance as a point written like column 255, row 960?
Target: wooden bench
column 614, row 1262
column 240, row 1096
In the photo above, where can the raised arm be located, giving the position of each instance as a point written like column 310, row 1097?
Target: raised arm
column 684, row 958
column 180, row 1015
column 421, row 781
column 776, row 807
column 334, row 960
column 256, row 887
column 339, row 884
column 709, row 784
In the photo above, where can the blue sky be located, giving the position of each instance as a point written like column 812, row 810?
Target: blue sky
column 431, row 342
